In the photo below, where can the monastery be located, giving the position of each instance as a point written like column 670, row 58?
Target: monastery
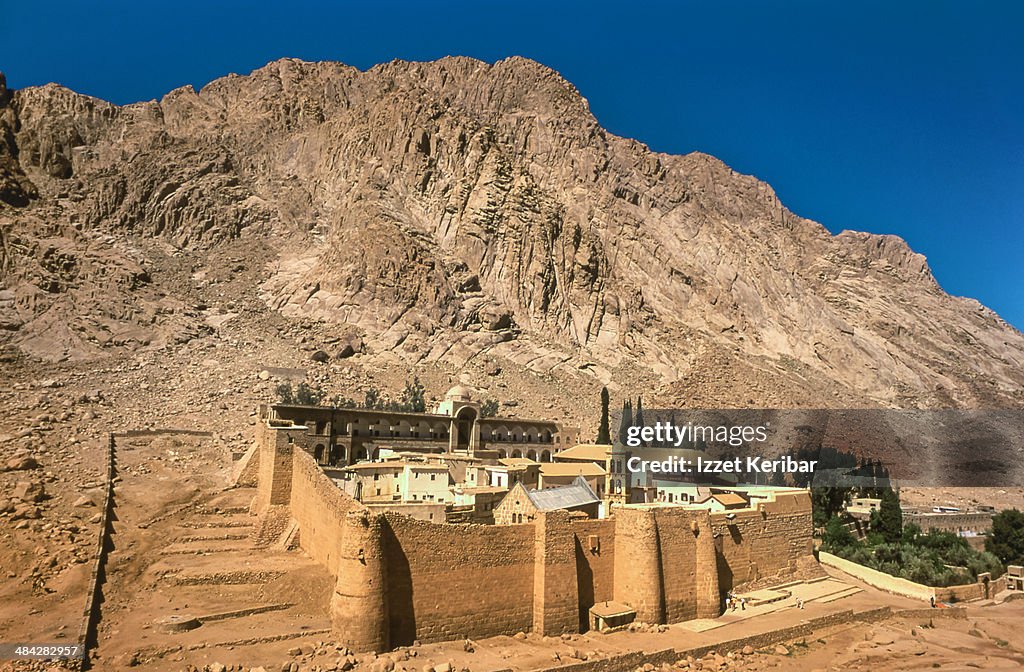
column 514, row 522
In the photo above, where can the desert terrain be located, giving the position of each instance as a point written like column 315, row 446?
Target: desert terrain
column 166, row 265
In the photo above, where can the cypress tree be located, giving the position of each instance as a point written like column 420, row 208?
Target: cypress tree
column 890, row 517
column 603, row 432
column 626, row 421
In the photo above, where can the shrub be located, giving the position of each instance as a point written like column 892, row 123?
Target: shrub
column 489, row 408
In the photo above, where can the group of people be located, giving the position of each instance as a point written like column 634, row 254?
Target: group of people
column 731, row 602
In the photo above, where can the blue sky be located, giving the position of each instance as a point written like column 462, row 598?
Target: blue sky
column 888, row 117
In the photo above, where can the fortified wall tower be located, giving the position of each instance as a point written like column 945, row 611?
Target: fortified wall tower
column 398, row 580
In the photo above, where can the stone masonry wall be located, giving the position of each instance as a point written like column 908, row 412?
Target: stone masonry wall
column 766, row 541
column 595, row 569
column 689, row 589
column 638, row 565
column 454, row 581
column 664, row 563
column 555, row 592
column 275, row 465
column 399, row 580
column 320, row 508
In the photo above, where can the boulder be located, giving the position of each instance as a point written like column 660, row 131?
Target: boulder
column 25, row 511
column 29, row 491
column 320, row 356
column 23, row 463
column 349, row 346
column 495, row 318
column 470, row 284
column 382, row 665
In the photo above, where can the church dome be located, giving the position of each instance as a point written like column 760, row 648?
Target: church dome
column 459, row 393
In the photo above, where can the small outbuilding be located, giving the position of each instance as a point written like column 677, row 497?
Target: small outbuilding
column 609, row 615
column 1015, row 577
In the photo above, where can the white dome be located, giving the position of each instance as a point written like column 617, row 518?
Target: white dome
column 459, row 392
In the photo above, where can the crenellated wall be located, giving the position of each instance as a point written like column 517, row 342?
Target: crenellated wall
column 399, row 580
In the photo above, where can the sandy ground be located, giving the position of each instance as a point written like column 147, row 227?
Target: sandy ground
column 184, row 548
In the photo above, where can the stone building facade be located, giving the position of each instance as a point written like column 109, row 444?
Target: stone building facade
column 345, row 436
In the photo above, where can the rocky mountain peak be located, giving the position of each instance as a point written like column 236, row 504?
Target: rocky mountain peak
column 456, row 210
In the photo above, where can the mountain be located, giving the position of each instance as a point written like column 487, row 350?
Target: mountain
column 463, row 216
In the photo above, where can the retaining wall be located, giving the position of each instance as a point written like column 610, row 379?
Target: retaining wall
column 87, row 636
column 899, row 586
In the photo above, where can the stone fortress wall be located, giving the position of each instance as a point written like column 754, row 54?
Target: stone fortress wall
column 399, row 580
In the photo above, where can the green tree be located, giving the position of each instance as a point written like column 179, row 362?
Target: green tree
column 603, row 432
column 827, row 502
column 1006, row 540
column 285, row 394
column 626, row 421
column 489, row 408
column 372, row 399
column 890, row 517
column 911, row 532
column 638, row 420
column 308, row 396
column 837, row 538
column 413, row 399
column 338, row 401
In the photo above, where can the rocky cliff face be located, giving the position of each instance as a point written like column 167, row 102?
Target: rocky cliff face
column 456, row 210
